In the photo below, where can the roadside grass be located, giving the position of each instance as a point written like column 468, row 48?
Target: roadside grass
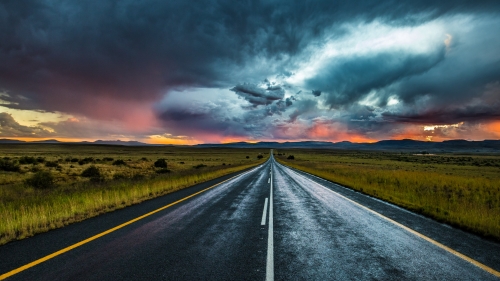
column 25, row 210
column 460, row 190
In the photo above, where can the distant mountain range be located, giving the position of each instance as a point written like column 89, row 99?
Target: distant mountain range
column 392, row 145
column 398, row 145
column 103, row 142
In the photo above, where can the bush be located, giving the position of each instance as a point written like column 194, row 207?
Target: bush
column 9, row 166
column 199, row 166
column 260, row 156
column 91, row 172
column 51, row 164
column 119, row 162
column 248, row 157
column 161, row 163
column 108, row 159
column 86, row 160
column 144, row 159
column 291, row 157
column 41, row 180
column 40, row 159
column 74, row 160
column 27, row 160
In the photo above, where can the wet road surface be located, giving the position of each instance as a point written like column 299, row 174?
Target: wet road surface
column 269, row 223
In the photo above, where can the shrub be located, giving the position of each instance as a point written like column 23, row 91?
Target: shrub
column 182, row 162
column 260, row 156
column 40, row 159
column 86, row 160
column 107, row 159
column 27, row 160
column 144, row 159
column 248, row 157
column 119, row 162
column 41, row 180
column 161, row 163
column 74, row 160
column 9, row 166
column 291, row 157
column 51, row 164
column 199, row 166
column 91, row 172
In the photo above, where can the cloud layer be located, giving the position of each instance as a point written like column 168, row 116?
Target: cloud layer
column 253, row 70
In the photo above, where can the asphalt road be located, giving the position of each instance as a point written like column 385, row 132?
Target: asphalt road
column 271, row 223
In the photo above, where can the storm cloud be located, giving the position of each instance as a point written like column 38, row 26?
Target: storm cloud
column 257, row 95
column 364, row 67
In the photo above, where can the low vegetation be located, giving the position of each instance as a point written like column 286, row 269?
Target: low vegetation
column 461, row 190
column 54, row 185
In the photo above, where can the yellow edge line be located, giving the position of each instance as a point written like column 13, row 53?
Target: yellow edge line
column 69, row 248
column 434, row 242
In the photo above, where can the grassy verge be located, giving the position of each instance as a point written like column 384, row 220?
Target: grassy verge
column 463, row 191
column 25, row 211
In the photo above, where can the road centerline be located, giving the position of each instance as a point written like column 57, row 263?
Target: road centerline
column 264, row 213
column 270, row 238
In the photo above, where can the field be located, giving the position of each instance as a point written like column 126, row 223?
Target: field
column 44, row 186
column 460, row 190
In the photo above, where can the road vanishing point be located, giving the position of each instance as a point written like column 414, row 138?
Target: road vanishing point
column 266, row 223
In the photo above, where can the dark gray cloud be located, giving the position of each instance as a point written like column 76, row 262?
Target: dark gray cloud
column 446, row 115
column 303, row 107
column 257, row 95
column 347, row 80
column 58, row 53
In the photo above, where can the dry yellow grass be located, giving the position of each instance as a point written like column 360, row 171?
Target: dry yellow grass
column 26, row 211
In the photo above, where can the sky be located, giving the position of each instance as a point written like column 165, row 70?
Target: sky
column 189, row 72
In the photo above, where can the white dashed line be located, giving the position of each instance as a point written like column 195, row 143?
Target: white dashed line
column 264, row 213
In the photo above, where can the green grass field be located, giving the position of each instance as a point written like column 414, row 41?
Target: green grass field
column 26, row 209
column 461, row 190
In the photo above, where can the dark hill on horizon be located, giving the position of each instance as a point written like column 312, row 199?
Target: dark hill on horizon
column 486, row 146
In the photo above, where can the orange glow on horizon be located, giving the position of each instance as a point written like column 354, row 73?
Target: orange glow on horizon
column 494, row 127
